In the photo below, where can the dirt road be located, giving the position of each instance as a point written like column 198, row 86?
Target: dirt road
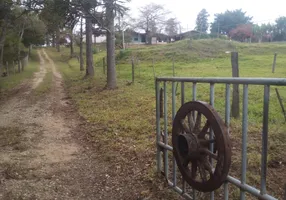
column 42, row 154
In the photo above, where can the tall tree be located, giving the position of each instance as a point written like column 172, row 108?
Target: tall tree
column 172, row 27
column 280, row 29
column 151, row 19
column 225, row 22
column 202, row 24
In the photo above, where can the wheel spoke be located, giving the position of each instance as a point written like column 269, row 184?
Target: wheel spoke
column 202, row 172
column 194, row 169
column 208, row 166
column 204, row 130
column 186, row 129
column 198, row 123
column 209, row 153
column 206, row 142
column 191, row 121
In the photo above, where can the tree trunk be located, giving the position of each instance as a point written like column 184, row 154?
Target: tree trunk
column 71, row 45
column 2, row 42
column 47, row 40
column 110, row 46
column 89, row 54
column 81, row 48
column 19, row 52
column 30, row 50
column 53, row 41
column 1, row 58
column 58, row 40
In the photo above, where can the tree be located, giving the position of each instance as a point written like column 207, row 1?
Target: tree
column 172, row 27
column 202, row 24
column 151, row 19
column 241, row 32
column 280, row 29
column 225, row 22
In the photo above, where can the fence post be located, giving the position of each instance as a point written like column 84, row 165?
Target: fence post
column 103, row 64
column 274, row 62
column 133, row 68
column 235, row 93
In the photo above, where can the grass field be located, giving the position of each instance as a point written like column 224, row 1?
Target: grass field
column 11, row 81
column 124, row 119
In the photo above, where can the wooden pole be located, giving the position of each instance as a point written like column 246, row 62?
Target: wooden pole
column 274, row 63
column 235, row 93
column 133, row 70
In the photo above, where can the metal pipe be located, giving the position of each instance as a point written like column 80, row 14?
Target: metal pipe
column 166, row 165
column 182, row 93
column 157, row 86
column 194, row 91
column 250, row 81
column 227, row 121
column 173, row 116
column 244, row 138
column 264, row 139
column 212, row 93
column 249, row 189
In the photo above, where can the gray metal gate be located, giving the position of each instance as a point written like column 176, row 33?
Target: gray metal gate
column 164, row 147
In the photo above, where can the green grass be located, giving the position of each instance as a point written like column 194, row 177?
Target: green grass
column 11, row 81
column 124, row 119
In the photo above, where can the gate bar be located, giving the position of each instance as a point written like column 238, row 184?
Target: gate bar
column 250, row 81
column 244, row 139
column 173, row 116
column 159, row 161
column 227, row 121
column 166, row 164
column 264, row 139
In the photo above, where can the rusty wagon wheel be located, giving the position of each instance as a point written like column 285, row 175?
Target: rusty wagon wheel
column 197, row 127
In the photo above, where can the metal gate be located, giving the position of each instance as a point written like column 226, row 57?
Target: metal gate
column 168, row 166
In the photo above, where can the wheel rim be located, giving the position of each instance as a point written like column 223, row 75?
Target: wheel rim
column 201, row 167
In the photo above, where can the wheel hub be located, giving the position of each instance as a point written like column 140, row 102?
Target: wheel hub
column 188, row 146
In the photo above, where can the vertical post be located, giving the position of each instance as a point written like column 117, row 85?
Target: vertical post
column 182, row 93
column 161, row 102
column 244, row 139
column 264, row 139
column 235, row 94
column 158, row 156
column 212, row 93
column 227, row 122
column 166, row 170
column 173, row 116
column 103, row 64
column 274, row 62
column 133, row 70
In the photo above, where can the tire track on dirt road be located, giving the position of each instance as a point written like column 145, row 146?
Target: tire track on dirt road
column 39, row 158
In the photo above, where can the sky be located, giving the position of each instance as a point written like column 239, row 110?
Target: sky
column 186, row 11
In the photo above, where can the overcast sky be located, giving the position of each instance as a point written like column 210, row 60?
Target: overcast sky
column 186, row 10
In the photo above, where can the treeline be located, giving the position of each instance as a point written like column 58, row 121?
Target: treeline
column 36, row 22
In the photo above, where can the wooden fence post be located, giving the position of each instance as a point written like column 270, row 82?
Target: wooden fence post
column 133, row 70
column 235, row 92
column 274, row 62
